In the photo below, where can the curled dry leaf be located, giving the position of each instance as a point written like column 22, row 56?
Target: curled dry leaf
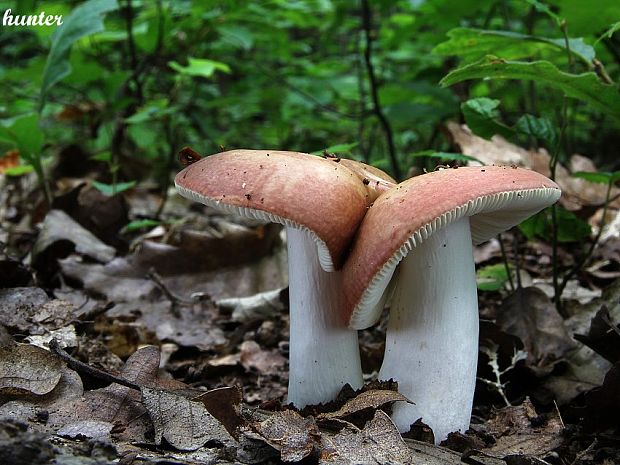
column 185, row 424
column 60, row 227
column 225, row 405
column 372, row 399
column 378, row 443
column 27, row 369
column 294, row 436
column 603, row 336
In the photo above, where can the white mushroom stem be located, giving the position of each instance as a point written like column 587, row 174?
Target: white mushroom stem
column 432, row 335
column 323, row 352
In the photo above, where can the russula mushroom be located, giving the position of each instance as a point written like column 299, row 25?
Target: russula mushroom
column 426, row 225
column 321, row 202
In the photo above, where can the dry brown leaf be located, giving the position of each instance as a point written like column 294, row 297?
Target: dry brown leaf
column 266, row 362
column 9, row 160
column 185, row 424
column 498, row 151
column 60, row 227
column 530, row 315
column 89, row 429
column 19, row 304
column 117, row 404
column 378, row 443
column 520, row 430
column 27, row 369
column 225, row 405
column 372, row 399
column 294, row 436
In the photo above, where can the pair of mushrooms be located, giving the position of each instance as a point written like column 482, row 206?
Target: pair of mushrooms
column 356, row 239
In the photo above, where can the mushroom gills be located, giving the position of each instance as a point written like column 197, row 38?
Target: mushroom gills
column 434, row 311
column 323, row 352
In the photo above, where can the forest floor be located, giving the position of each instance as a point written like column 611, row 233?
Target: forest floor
column 155, row 360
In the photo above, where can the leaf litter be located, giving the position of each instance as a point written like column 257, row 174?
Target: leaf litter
column 211, row 294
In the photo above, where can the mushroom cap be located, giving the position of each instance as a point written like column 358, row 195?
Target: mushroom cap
column 494, row 197
column 376, row 180
column 295, row 189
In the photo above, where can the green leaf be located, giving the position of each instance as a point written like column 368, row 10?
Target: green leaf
column 84, row 20
column 25, row 133
column 236, row 35
column 615, row 27
column 199, row 67
column 543, row 8
column 571, row 228
column 491, row 277
column 19, row 170
column 446, row 156
column 586, row 87
column 471, row 44
column 338, row 148
column 481, row 116
column 540, row 128
column 136, row 225
column 112, row 189
column 598, row 177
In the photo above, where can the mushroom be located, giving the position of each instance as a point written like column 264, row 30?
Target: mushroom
column 321, row 202
column 428, row 224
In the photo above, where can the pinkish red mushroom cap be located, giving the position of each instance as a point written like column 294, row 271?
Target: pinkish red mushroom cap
column 296, row 189
column 494, row 197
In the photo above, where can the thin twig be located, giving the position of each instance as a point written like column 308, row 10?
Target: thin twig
column 505, row 260
column 83, row 368
column 374, row 88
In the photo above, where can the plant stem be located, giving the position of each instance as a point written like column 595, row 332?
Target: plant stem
column 505, row 260
column 374, row 89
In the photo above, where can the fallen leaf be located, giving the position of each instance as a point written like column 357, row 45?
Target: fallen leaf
column 265, row 362
column 66, row 337
column 378, row 443
column 60, row 227
column 185, row 424
column 530, row 315
column 372, row 399
column 603, row 403
column 294, row 436
column 520, row 430
column 19, row 304
column 88, row 429
column 27, row 369
column 225, row 405
column 603, row 336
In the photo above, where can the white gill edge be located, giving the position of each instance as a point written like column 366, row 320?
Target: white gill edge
column 529, row 201
column 325, row 258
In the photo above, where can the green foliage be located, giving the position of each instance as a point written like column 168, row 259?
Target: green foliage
column 199, row 67
column 86, row 19
column 586, row 86
column 470, row 44
column 137, row 225
column 481, row 116
column 445, row 156
column 600, row 177
column 491, row 277
column 113, row 189
column 570, row 228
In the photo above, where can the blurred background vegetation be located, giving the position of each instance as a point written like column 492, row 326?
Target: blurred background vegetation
column 126, row 83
